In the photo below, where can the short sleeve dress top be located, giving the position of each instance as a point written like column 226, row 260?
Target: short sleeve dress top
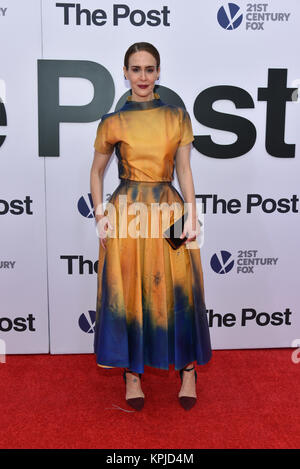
column 150, row 307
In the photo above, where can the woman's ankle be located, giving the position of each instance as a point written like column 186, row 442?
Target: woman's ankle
column 190, row 366
column 132, row 372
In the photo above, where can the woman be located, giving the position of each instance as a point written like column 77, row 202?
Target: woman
column 150, row 298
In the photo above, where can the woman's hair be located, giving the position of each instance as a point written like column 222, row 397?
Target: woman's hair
column 139, row 46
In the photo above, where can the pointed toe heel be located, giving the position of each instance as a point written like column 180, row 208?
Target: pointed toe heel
column 187, row 402
column 136, row 403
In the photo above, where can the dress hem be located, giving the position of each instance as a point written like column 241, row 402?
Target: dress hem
column 158, row 367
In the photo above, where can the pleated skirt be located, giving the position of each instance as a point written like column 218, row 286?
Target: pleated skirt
column 150, row 307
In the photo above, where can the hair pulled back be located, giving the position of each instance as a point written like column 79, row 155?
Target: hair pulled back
column 142, row 46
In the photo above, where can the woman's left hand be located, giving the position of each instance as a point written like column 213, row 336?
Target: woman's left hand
column 189, row 231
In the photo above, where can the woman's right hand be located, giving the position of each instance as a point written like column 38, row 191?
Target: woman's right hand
column 103, row 224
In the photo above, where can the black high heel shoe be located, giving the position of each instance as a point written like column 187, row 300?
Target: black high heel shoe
column 136, row 402
column 187, row 402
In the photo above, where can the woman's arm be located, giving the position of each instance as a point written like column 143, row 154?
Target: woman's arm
column 185, row 179
column 96, row 181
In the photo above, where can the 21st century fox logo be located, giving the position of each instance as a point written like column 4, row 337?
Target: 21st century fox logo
column 246, row 260
column 255, row 17
column 80, row 15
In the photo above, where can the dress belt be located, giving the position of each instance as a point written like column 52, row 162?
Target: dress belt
column 133, row 181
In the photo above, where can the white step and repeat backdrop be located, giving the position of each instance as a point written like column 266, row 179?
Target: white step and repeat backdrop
column 235, row 67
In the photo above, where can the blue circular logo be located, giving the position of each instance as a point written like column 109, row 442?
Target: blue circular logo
column 230, row 16
column 221, row 264
column 87, row 322
column 86, row 208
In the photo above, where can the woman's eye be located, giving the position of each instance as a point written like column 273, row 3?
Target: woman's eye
column 149, row 70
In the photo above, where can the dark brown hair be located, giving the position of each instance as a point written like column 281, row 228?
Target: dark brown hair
column 139, row 46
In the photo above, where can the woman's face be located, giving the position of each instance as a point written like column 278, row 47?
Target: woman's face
column 142, row 75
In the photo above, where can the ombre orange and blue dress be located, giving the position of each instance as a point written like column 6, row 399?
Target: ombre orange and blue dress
column 150, row 298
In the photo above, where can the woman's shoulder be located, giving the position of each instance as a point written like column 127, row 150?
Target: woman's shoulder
column 109, row 121
column 178, row 111
column 175, row 108
column 109, row 115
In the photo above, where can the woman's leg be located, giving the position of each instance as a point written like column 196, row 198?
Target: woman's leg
column 133, row 385
column 188, row 387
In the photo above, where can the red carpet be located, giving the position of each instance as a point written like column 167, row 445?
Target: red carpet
column 246, row 399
